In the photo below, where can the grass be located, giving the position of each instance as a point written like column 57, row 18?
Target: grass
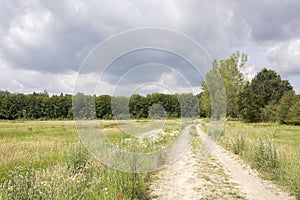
column 39, row 144
column 272, row 149
column 45, row 160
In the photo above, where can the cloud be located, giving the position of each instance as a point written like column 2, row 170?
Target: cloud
column 53, row 37
column 284, row 57
column 26, row 81
column 50, row 40
column 270, row 20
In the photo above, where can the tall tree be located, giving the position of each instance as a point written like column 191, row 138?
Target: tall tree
column 233, row 80
column 138, row 106
column 265, row 88
column 103, row 107
column 287, row 100
column 189, row 105
column 293, row 116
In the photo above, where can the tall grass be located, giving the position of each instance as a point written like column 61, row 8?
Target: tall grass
column 80, row 177
column 272, row 149
column 44, row 160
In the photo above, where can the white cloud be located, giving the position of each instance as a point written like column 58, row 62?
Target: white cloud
column 28, row 81
column 42, row 43
column 284, row 57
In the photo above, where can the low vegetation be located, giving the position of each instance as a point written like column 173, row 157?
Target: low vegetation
column 45, row 160
column 272, row 149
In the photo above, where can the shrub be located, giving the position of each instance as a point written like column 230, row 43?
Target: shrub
column 238, row 144
column 77, row 158
column 265, row 154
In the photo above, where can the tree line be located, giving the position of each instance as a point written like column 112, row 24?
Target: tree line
column 265, row 98
column 43, row 106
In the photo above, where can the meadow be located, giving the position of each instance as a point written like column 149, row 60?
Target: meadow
column 45, row 160
column 270, row 148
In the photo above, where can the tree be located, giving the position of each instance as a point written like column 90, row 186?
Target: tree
column 270, row 112
column 233, row 80
column 265, row 88
column 293, row 116
column 169, row 103
column 83, row 107
column 213, row 93
column 119, row 106
column 103, row 107
column 246, row 103
column 138, row 106
column 287, row 100
column 189, row 105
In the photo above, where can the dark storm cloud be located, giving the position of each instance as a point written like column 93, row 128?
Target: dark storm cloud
column 271, row 20
column 135, row 59
column 52, row 38
column 61, row 34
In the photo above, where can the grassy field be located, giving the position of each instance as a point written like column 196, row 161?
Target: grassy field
column 272, row 149
column 45, row 160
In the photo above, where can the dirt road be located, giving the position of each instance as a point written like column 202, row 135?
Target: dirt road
column 217, row 176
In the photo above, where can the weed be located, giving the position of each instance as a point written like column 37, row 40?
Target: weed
column 271, row 148
column 77, row 158
column 61, row 170
column 20, row 183
column 238, row 144
column 265, row 155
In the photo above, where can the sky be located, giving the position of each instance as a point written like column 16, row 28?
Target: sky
column 44, row 43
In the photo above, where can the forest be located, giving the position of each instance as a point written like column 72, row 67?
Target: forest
column 42, row 106
column 265, row 98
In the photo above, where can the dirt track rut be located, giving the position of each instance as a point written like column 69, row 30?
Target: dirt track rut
column 216, row 176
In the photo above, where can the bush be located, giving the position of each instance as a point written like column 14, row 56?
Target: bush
column 265, row 155
column 77, row 158
column 238, row 144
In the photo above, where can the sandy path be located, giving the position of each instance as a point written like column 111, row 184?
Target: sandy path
column 217, row 176
column 177, row 181
column 248, row 181
column 193, row 178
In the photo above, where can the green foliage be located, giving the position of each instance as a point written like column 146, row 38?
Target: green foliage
column 293, row 116
column 213, row 96
column 95, row 182
column 138, row 106
column 169, row 102
column 231, row 77
column 43, row 106
column 61, row 170
column 286, row 101
column 103, row 107
column 20, row 183
column 238, row 144
column 271, row 148
column 189, row 105
column 35, row 106
column 84, row 107
column 265, row 155
column 77, row 158
column 270, row 112
column 258, row 100
column 119, row 107
column 205, row 101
